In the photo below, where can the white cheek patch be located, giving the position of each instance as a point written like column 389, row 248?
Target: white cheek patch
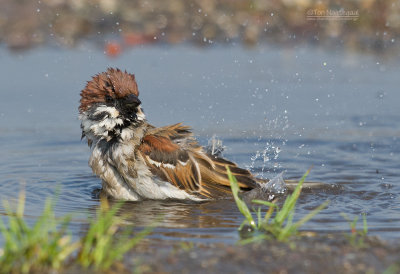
column 111, row 119
column 108, row 123
column 86, row 123
column 112, row 111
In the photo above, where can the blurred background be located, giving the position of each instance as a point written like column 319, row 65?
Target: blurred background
column 116, row 24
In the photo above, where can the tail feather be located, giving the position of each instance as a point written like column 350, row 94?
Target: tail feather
column 214, row 177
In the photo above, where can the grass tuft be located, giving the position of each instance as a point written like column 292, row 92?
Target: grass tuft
column 45, row 245
column 100, row 246
column 357, row 237
column 279, row 226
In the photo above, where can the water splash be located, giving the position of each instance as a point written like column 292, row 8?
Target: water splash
column 215, row 146
column 267, row 191
column 270, row 153
column 275, row 185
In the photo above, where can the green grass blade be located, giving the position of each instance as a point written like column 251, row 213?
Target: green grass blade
column 239, row 202
column 290, row 201
column 259, row 219
column 255, row 239
column 311, row 214
column 268, row 215
column 266, row 203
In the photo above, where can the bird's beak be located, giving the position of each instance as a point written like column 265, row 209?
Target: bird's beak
column 132, row 101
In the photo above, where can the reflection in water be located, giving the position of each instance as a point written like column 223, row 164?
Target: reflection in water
column 184, row 215
column 213, row 220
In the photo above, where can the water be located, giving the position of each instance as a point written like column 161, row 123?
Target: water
column 276, row 110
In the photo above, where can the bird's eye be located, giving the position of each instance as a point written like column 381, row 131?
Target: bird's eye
column 109, row 99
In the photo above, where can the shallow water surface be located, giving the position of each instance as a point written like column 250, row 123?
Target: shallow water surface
column 275, row 110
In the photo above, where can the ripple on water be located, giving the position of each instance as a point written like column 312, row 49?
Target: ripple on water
column 352, row 186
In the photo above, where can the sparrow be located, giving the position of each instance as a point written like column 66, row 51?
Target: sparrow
column 136, row 160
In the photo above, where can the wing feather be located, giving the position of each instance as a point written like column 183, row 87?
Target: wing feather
column 173, row 154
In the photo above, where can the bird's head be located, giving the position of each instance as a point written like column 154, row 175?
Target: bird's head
column 109, row 104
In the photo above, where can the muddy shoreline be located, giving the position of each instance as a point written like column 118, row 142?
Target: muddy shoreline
column 313, row 254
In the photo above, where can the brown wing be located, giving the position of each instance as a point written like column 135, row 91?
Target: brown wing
column 175, row 156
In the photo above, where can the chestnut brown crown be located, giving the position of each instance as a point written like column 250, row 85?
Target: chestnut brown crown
column 112, row 84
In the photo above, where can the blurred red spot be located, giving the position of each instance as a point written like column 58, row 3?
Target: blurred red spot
column 133, row 39
column 113, row 49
